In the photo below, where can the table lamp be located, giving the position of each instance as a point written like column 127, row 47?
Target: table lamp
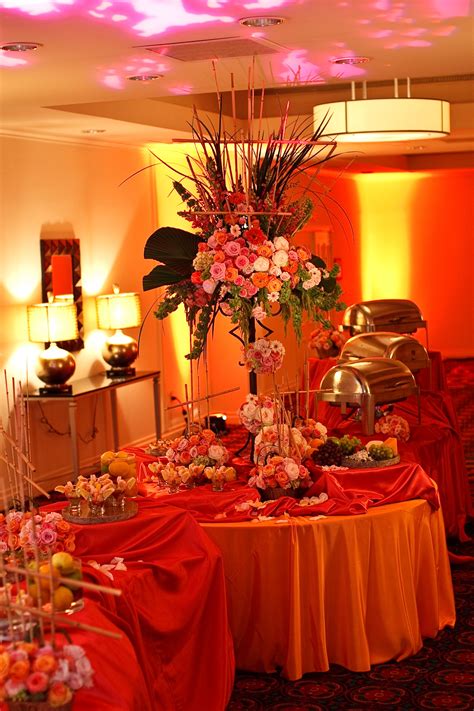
column 49, row 323
column 118, row 311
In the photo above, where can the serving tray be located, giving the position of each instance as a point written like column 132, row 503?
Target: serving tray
column 110, row 515
column 370, row 463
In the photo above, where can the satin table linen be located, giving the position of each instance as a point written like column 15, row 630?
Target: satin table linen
column 173, row 605
column 348, row 590
column 435, row 444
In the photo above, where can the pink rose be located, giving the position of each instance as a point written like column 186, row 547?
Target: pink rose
column 232, row 249
column 218, row 271
column 37, row 682
column 241, row 261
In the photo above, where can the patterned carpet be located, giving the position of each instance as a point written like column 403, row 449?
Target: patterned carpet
column 440, row 676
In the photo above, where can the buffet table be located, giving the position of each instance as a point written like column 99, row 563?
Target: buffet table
column 172, row 609
column 435, row 444
column 348, row 590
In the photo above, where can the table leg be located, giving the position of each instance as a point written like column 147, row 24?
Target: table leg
column 157, row 405
column 113, row 407
column 76, row 470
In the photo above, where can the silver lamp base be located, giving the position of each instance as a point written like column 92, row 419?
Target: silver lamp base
column 54, row 367
column 120, row 351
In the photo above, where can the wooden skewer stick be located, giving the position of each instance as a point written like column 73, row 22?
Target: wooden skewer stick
column 35, row 612
column 189, row 407
column 27, row 478
column 205, row 397
column 71, row 583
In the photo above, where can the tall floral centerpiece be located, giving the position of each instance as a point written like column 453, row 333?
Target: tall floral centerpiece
column 244, row 201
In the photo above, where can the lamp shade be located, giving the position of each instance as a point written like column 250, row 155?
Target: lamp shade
column 117, row 311
column 374, row 120
column 52, row 322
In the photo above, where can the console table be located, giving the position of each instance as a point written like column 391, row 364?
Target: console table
column 93, row 385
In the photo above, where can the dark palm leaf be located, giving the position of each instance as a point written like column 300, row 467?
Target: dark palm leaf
column 160, row 276
column 171, row 243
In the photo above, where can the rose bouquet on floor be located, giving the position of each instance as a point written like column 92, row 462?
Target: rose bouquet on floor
column 43, row 674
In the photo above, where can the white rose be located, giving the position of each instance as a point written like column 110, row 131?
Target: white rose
column 249, row 409
column 261, row 264
column 281, row 243
column 266, row 416
column 280, row 258
column 292, row 469
column 216, row 452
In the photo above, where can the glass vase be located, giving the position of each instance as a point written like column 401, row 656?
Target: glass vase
column 74, row 505
column 218, row 485
column 96, row 509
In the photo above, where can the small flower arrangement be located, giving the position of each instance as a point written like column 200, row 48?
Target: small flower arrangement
column 33, row 673
column 394, row 426
column 256, row 412
column 264, row 356
column 279, row 440
column 218, row 476
column 280, row 472
column 96, row 489
column 327, row 341
column 315, row 433
column 20, row 533
column 201, row 447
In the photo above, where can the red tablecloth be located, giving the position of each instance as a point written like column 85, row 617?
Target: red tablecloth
column 435, row 444
column 173, row 607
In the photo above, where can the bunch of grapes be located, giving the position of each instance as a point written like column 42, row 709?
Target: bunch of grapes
column 328, row 454
column 348, row 445
column 380, row 451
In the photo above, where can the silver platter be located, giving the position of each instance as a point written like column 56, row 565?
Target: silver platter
column 370, row 463
column 129, row 510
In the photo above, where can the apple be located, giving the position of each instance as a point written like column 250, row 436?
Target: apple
column 64, row 562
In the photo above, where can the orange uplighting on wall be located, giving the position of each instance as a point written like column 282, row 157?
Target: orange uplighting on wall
column 385, row 207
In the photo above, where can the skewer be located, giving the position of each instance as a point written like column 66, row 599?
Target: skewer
column 206, row 369
column 205, row 397
column 71, row 583
column 189, row 408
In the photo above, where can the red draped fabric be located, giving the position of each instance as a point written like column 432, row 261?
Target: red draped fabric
column 172, row 609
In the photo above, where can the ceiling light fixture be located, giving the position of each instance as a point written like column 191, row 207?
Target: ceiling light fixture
column 383, row 120
column 264, row 21
column 351, row 60
column 145, row 77
column 20, row 46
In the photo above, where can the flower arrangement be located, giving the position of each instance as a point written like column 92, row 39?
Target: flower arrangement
column 33, row 673
column 20, row 533
column 200, row 447
column 264, row 356
column 218, row 476
column 326, row 341
column 315, row 433
column 280, row 472
column 256, row 412
column 394, row 426
column 281, row 440
column 243, row 201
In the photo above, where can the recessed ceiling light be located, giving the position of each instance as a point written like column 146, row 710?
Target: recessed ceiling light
column 265, row 21
column 93, row 130
column 145, row 77
column 20, row 46
column 351, row 60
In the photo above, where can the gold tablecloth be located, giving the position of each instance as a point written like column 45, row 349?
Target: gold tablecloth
column 348, row 590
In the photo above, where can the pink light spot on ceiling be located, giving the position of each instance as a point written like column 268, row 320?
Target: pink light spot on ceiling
column 297, row 69
column 453, row 8
column 160, row 15
column 444, row 31
column 103, row 6
column 346, row 71
column 7, row 61
column 257, row 35
column 35, row 7
column 418, row 43
column 263, row 4
column 99, row 15
column 119, row 18
column 380, row 34
column 113, row 81
column 415, row 32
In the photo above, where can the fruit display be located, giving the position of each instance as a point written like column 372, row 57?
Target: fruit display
column 349, row 452
column 120, row 464
column 328, row 454
column 51, row 590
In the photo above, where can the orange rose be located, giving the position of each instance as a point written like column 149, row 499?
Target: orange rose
column 69, row 544
column 208, row 435
column 202, row 450
column 274, row 285
column 194, row 439
column 196, row 278
column 260, row 279
column 221, row 237
column 4, row 664
column 282, row 478
column 303, row 254
column 63, row 526
column 59, row 694
column 19, row 670
column 231, row 274
column 185, row 457
column 292, row 267
column 264, row 251
column 28, row 647
column 45, row 663
column 219, row 256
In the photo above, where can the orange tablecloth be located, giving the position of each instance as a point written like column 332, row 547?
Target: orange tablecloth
column 349, row 590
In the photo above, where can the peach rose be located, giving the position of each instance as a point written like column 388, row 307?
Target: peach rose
column 45, row 663
column 282, row 478
column 260, row 279
column 264, row 250
column 231, row 274
column 4, row 664
column 274, row 285
column 221, row 236
column 219, row 257
column 19, row 670
column 59, row 694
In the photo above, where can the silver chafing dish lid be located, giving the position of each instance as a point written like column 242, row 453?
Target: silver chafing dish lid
column 398, row 315
column 382, row 377
column 382, row 344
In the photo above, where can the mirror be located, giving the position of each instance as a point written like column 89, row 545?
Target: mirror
column 61, row 276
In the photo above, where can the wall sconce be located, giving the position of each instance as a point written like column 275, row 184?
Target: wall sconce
column 49, row 323
column 118, row 311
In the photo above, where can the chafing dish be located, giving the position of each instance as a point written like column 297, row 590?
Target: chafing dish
column 366, row 383
column 395, row 315
column 386, row 345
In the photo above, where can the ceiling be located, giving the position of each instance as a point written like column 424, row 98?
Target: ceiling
column 78, row 79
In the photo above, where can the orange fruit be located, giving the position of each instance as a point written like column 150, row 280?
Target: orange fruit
column 62, row 598
column 118, row 468
column 52, row 573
